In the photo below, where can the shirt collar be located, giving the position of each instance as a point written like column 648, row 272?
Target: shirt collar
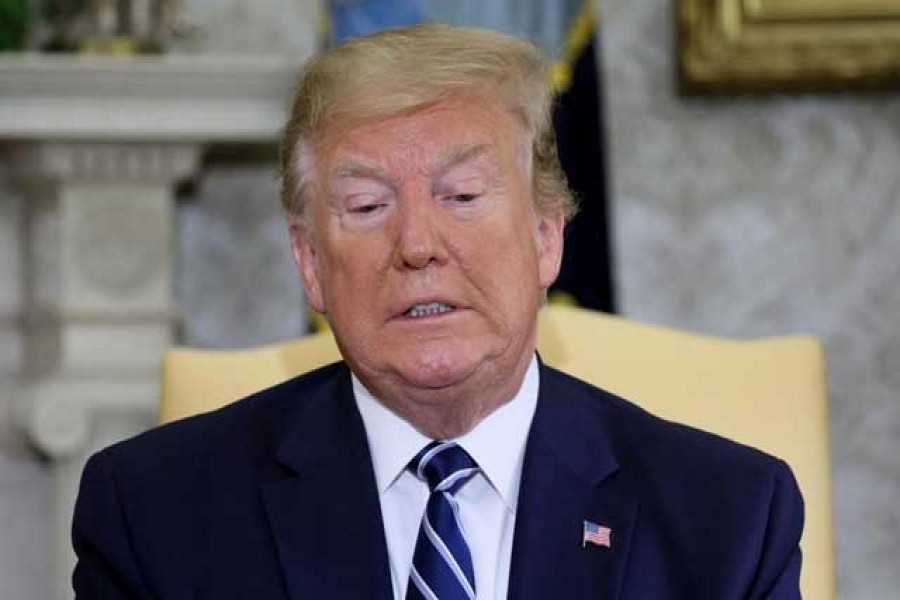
column 393, row 442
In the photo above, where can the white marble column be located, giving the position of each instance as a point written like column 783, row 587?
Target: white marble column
column 96, row 147
column 98, row 248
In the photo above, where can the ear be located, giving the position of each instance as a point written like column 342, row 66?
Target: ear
column 550, row 247
column 304, row 251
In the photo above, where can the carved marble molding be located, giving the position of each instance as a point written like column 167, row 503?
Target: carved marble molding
column 113, row 248
column 184, row 98
column 59, row 415
column 99, row 225
column 108, row 161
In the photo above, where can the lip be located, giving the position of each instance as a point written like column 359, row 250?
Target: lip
column 400, row 314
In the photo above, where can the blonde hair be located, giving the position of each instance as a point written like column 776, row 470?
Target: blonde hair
column 399, row 70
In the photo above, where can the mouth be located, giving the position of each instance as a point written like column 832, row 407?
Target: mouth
column 428, row 309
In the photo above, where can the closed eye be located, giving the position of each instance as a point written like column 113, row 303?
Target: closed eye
column 365, row 209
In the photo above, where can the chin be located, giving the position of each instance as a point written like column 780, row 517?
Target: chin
column 435, row 370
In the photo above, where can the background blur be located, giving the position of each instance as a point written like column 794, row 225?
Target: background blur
column 738, row 217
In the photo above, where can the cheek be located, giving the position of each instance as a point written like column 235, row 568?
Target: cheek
column 503, row 258
column 354, row 270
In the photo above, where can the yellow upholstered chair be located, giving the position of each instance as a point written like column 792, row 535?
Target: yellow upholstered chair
column 767, row 393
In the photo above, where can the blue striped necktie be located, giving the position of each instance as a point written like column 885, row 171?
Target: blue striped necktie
column 442, row 565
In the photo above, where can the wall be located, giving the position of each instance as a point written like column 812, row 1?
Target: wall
column 770, row 216
column 733, row 217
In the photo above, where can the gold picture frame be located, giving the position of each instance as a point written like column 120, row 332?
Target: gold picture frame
column 761, row 46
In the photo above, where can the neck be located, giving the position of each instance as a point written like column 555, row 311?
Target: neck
column 451, row 412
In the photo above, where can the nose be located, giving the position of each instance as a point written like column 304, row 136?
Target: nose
column 419, row 242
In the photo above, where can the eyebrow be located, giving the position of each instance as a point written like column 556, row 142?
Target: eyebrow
column 460, row 154
column 355, row 168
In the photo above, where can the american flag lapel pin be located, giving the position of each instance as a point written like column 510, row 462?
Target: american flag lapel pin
column 596, row 534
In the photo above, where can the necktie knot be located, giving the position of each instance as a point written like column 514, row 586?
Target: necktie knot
column 445, row 466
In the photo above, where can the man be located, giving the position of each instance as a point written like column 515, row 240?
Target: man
column 440, row 459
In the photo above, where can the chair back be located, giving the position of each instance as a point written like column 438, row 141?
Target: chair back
column 768, row 393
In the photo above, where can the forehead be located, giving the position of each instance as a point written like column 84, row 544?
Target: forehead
column 449, row 131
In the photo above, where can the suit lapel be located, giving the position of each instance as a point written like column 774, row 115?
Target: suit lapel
column 569, row 475
column 322, row 503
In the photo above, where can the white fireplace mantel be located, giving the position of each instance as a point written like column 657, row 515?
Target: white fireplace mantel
column 97, row 146
column 148, row 98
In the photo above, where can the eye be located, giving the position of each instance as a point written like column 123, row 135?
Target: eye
column 365, row 204
column 366, row 209
column 460, row 198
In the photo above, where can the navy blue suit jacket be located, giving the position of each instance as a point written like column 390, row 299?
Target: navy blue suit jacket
column 275, row 497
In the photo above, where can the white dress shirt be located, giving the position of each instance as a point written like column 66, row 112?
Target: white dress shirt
column 487, row 502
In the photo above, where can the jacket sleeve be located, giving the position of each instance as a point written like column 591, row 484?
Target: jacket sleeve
column 106, row 568
column 778, row 573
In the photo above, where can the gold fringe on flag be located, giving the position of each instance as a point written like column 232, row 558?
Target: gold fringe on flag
column 579, row 37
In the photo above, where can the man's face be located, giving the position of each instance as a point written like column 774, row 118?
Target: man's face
column 425, row 250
